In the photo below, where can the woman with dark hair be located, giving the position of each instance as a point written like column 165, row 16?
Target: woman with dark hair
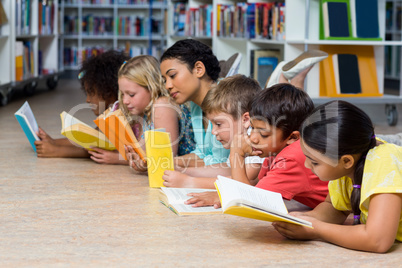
column 98, row 78
column 190, row 69
column 364, row 175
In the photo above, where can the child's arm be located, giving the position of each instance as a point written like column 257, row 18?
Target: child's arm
column 377, row 235
column 165, row 115
column 101, row 156
column 180, row 180
column 240, row 171
column 188, row 160
column 45, row 137
column 207, row 171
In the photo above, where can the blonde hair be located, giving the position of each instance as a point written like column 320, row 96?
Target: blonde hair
column 231, row 96
column 144, row 71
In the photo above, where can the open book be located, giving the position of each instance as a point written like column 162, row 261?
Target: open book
column 159, row 155
column 83, row 134
column 28, row 123
column 174, row 199
column 119, row 132
column 244, row 200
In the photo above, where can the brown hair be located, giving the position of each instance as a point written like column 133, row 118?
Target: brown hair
column 232, row 96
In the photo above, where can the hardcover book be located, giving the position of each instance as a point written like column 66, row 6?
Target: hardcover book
column 28, row 123
column 119, row 132
column 83, row 134
column 247, row 201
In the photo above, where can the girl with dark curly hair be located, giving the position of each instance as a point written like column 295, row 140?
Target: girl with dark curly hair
column 98, row 78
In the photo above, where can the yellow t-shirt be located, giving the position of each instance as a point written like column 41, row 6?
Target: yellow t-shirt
column 382, row 174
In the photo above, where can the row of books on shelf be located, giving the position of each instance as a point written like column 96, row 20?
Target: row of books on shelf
column 24, row 60
column 111, row 2
column 349, row 20
column 391, row 67
column 138, row 26
column 194, row 21
column 46, row 16
column 125, row 25
column 252, row 20
column 73, row 56
column 393, row 15
column 23, row 13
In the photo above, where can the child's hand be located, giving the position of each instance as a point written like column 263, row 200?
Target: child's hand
column 241, row 146
column 204, row 199
column 293, row 231
column 101, row 156
column 134, row 160
column 43, row 136
column 46, row 149
column 177, row 179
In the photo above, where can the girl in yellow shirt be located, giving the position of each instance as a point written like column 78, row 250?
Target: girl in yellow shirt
column 364, row 176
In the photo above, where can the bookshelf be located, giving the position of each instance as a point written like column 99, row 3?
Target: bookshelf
column 302, row 20
column 128, row 25
column 191, row 19
column 28, row 46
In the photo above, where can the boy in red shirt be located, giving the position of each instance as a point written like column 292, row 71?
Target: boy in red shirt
column 276, row 115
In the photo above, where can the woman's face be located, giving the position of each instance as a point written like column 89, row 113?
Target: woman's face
column 182, row 84
column 135, row 97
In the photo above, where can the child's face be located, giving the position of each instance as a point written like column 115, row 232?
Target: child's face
column 98, row 104
column 327, row 169
column 224, row 127
column 266, row 139
column 181, row 83
column 135, row 97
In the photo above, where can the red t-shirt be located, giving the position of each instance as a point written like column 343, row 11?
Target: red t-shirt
column 286, row 174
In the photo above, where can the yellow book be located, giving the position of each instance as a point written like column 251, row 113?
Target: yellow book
column 159, row 155
column 174, row 199
column 83, row 134
column 247, row 201
column 119, row 132
column 19, row 59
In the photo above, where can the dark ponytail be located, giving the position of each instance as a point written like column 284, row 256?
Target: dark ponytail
column 339, row 128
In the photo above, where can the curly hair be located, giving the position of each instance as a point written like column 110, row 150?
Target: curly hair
column 98, row 74
column 190, row 51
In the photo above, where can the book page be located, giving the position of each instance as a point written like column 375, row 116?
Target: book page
column 26, row 112
column 233, row 192
column 69, row 120
column 177, row 196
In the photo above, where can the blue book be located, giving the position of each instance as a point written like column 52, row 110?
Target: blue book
column 28, row 123
column 336, row 19
column 266, row 65
column 367, row 19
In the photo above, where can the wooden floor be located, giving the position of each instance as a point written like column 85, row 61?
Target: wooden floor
column 74, row 212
